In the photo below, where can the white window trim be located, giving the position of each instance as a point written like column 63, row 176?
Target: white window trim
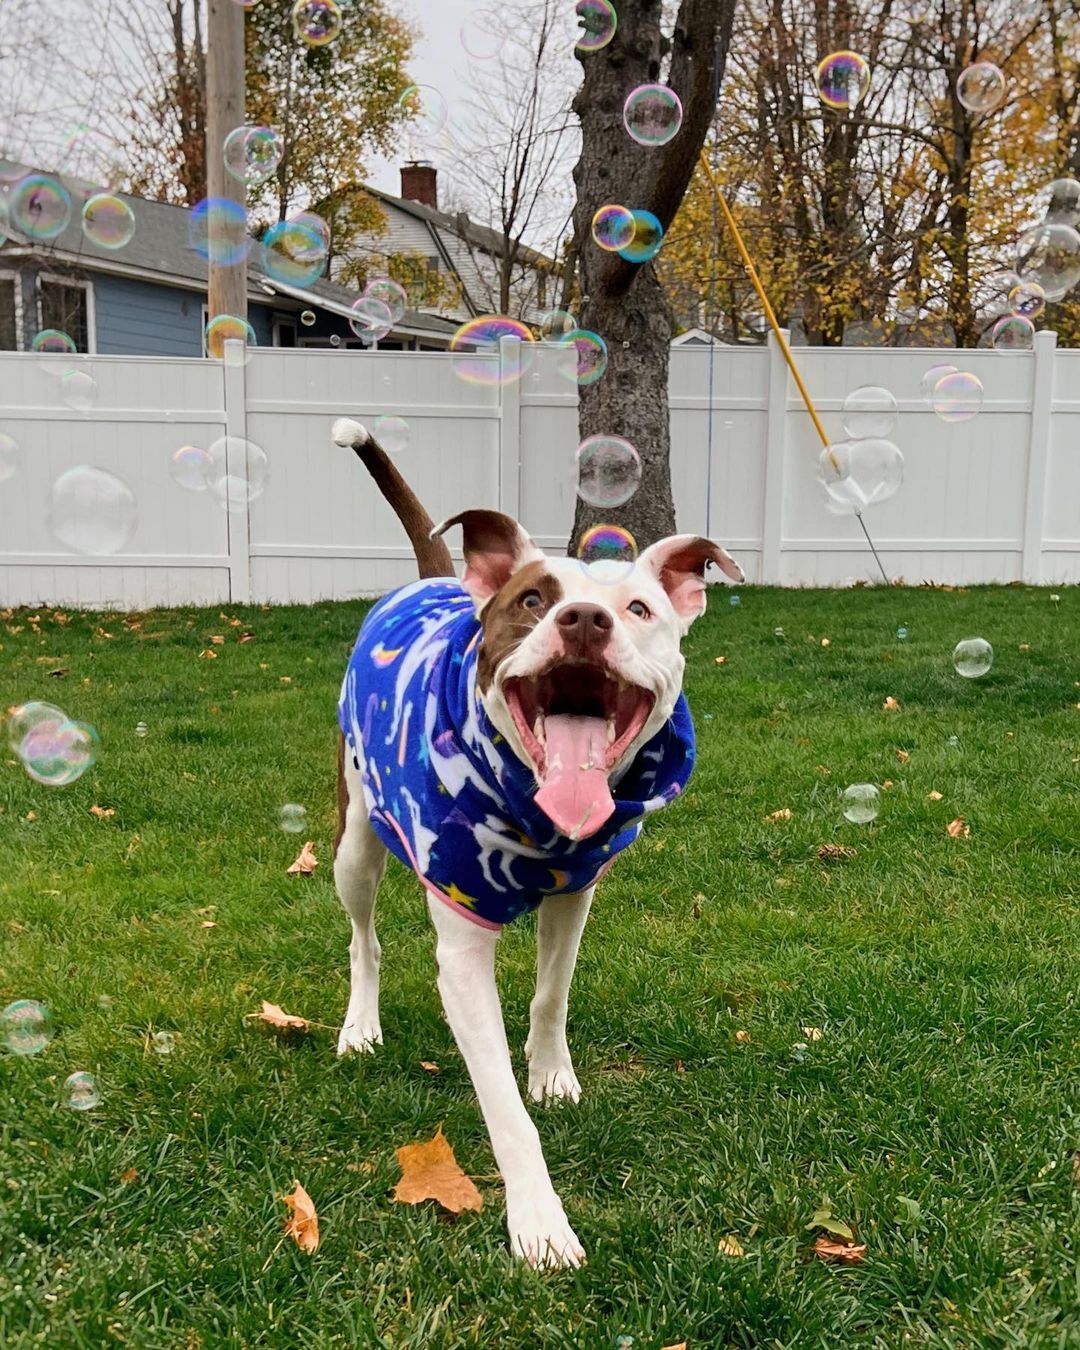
column 6, row 274
column 74, row 283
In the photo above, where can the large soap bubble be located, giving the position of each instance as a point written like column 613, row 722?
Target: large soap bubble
column 981, row 87
column 858, row 474
column 1050, row 256
column 869, row 411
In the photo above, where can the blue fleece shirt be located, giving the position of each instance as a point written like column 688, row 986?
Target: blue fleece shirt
column 445, row 793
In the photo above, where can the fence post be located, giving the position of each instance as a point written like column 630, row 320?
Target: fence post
column 238, row 522
column 772, row 511
column 513, row 357
column 1038, row 460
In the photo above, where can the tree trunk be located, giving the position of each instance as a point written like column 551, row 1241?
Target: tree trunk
column 622, row 301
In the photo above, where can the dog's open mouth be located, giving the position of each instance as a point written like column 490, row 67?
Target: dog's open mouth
column 576, row 721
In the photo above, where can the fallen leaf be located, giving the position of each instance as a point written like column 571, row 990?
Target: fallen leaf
column 366, row 1166
column 285, row 679
column 743, row 1037
column 304, row 1224
column 1025, row 647
column 834, row 852
column 60, row 672
column 812, row 1033
column 305, row 862
column 956, row 829
column 730, row 1246
column 430, row 1171
column 102, row 812
column 824, row 642
column 888, row 783
column 208, row 654
column 430, row 1065
column 720, row 660
column 1076, row 1167
column 891, row 704
column 246, row 637
column 680, row 1346
column 217, row 640
column 208, row 923
column 847, row 1254
column 934, row 796
column 30, row 815
column 783, row 814
column 276, row 1016
column 129, row 1175
column 903, row 756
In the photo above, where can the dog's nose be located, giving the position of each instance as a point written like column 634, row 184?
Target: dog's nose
column 583, row 627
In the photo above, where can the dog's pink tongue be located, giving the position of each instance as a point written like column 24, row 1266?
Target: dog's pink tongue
column 574, row 793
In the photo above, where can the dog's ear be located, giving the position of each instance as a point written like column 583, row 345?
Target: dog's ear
column 495, row 548
column 679, row 563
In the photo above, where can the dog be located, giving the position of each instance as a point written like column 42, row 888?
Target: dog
column 505, row 736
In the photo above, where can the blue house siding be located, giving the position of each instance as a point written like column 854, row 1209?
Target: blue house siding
column 137, row 318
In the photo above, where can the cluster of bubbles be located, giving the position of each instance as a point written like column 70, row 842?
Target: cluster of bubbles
column 233, row 470
column 843, row 81
column 53, row 749
column 252, row 154
column 26, row 1028
column 868, row 468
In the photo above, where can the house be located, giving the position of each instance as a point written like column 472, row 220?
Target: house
column 148, row 298
column 469, row 258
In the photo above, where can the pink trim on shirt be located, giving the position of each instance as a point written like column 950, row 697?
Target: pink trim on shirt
column 388, row 819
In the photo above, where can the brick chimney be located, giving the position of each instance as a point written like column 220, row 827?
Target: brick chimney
column 419, row 183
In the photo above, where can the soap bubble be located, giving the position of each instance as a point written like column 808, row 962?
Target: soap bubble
column 140, row 729
column 1013, row 334
column 237, row 471
column 251, row 155
column 475, row 344
column 389, row 293
column 843, row 80
column 958, row 397
column 52, row 342
column 25, row 1027
column 217, row 231
column 371, row 320
column 735, row 601
column 392, row 433
column 608, row 470
column 597, row 20
column 613, row 227
column 78, row 390
column 902, row 634
column 9, row 456
column 981, row 87
column 92, row 511
column 307, row 318
column 858, row 474
column 39, row 206
column 80, row 1092
column 932, row 378
column 313, row 241
column 190, row 468
column 224, row 328
column 869, row 411
column 648, row 236
column 425, row 110
column 1059, row 202
column 862, row 802
column 652, row 114
column 292, row 818
column 23, row 719
column 1027, row 300
column 1050, row 256
column 56, row 752
column 335, row 340
column 293, row 253
column 163, row 1042
column 108, row 221
column 484, row 35
column 778, row 632
column 586, row 356
column 608, row 553
column 554, row 324
column 973, row 657
column 316, row 22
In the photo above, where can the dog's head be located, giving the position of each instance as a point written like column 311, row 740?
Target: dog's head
column 578, row 668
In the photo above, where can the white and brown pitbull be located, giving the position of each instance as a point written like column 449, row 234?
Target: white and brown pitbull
column 504, row 737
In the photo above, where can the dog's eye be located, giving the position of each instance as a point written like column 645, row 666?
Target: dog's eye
column 639, row 608
column 531, row 600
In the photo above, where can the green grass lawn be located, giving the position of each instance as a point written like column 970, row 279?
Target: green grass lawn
column 938, row 1113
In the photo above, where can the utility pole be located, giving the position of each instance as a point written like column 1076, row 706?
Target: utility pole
column 224, row 112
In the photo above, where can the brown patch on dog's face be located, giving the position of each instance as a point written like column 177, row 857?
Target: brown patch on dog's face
column 511, row 615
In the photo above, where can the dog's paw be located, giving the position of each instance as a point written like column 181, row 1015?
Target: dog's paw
column 350, row 434
column 553, row 1081
column 540, row 1233
column 359, row 1040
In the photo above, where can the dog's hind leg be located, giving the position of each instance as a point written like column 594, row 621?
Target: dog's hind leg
column 359, row 863
column 558, row 933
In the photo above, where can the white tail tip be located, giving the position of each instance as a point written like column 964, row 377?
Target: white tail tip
column 352, row 435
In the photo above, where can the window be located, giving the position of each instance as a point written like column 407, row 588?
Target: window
column 284, row 331
column 10, row 312
column 66, row 305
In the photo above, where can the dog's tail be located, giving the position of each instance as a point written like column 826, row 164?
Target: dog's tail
column 432, row 556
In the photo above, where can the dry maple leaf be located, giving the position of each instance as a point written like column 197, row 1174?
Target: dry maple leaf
column 129, row 1175
column 217, row 640
column 934, row 796
column 680, row 1346
column 208, row 654
column 903, row 756
column 730, row 1246
column 430, row 1171
column 956, row 829
column 276, row 1016
column 847, row 1254
column 812, row 1033
column 742, row 1037
column 285, row 679
column 824, row 642
column 834, row 852
column 208, row 923
column 306, row 861
column 304, row 1224
column 246, row 637
column 888, row 783
column 783, row 814
column 891, row 704
column 430, row 1065
column 102, row 812
column 720, row 660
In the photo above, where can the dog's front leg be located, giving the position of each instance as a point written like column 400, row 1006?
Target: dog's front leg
column 465, row 953
column 558, row 933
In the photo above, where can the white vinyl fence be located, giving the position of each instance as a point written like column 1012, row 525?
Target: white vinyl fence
column 993, row 499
